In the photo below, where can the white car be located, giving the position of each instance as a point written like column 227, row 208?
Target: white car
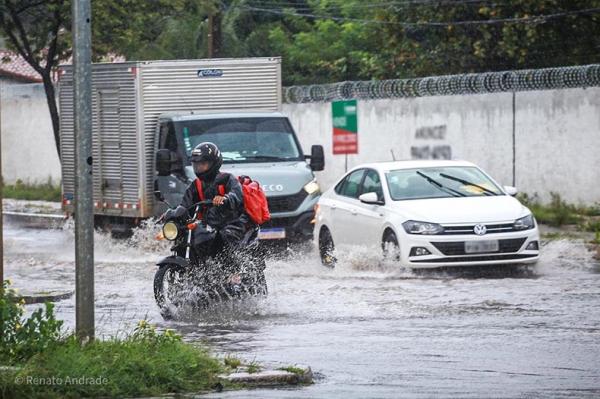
column 430, row 213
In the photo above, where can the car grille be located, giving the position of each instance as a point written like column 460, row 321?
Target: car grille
column 458, row 247
column 475, row 258
column 468, row 229
column 286, row 203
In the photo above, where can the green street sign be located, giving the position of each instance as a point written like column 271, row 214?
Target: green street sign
column 345, row 127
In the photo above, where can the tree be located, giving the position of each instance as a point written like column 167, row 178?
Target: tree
column 33, row 28
column 332, row 40
column 40, row 31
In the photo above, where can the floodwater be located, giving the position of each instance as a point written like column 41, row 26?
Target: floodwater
column 366, row 330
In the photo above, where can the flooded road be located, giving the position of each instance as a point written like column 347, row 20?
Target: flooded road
column 366, row 331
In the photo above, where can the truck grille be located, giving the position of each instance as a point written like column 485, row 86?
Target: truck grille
column 286, row 203
column 468, row 229
column 458, row 247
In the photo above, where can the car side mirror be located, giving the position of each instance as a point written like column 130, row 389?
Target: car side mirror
column 510, row 190
column 166, row 162
column 370, row 198
column 317, row 158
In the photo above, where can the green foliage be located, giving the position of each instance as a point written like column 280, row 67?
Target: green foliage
column 331, row 40
column 253, row 367
column 48, row 191
column 558, row 213
column 597, row 237
column 232, row 362
column 20, row 338
column 145, row 363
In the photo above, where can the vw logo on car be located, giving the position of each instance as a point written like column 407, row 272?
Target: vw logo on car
column 480, row 229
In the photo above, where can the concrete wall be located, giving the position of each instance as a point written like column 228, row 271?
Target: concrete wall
column 28, row 148
column 556, row 136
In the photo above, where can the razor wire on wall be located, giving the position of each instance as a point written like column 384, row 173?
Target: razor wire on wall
column 472, row 83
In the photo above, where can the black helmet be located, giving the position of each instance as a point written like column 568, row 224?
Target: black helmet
column 207, row 152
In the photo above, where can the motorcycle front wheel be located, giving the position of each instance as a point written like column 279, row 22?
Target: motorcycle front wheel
column 168, row 282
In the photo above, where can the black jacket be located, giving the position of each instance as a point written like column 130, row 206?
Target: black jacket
column 228, row 213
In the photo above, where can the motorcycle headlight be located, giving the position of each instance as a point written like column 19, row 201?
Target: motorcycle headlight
column 524, row 223
column 311, row 187
column 170, row 231
column 413, row 227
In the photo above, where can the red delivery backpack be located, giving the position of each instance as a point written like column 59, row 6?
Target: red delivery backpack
column 255, row 200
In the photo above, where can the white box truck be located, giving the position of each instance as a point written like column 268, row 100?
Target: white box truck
column 149, row 115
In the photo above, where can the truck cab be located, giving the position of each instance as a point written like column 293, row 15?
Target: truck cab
column 262, row 145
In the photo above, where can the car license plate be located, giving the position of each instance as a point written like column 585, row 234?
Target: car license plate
column 477, row 247
column 271, row 234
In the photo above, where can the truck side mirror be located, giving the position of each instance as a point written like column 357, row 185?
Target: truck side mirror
column 317, row 158
column 166, row 162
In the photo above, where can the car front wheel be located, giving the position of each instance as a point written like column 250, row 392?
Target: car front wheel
column 390, row 246
column 326, row 248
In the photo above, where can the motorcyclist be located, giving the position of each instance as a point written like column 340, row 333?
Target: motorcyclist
column 227, row 215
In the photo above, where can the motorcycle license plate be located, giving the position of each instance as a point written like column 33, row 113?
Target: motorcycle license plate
column 271, row 234
column 477, row 247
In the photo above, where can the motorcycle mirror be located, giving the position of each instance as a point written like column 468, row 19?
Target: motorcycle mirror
column 158, row 195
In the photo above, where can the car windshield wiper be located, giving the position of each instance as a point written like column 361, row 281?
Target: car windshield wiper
column 439, row 185
column 468, row 183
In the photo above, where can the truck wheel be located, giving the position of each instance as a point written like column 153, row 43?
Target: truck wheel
column 326, row 248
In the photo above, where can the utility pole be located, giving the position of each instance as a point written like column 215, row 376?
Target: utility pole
column 214, row 33
column 210, row 37
column 84, row 217
column 1, row 197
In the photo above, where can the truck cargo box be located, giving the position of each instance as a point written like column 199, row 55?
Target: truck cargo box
column 127, row 99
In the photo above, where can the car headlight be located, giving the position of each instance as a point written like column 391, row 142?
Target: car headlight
column 311, row 187
column 524, row 223
column 413, row 227
column 170, row 231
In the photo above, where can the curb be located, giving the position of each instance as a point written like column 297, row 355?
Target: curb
column 36, row 220
column 41, row 297
column 267, row 378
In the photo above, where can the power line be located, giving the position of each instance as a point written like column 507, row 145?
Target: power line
column 527, row 19
column 301, row 3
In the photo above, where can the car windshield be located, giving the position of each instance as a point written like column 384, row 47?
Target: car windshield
column 441, row 182
column 243, row 139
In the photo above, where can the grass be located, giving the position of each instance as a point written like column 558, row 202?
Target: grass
column 119, row 369
column 44, row 362
column 559, row 213
column 253, row 367
column 596, row 239
column 48, row 191
column 144, row 364
column 232, row 362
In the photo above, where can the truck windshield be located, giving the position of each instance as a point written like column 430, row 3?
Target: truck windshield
column 243, row 139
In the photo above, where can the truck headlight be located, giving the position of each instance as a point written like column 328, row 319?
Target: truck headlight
column 414, row 227
column 311, row 187
column 524, row 223
column 170, row 231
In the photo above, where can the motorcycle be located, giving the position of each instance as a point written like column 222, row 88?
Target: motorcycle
column 201, row 270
